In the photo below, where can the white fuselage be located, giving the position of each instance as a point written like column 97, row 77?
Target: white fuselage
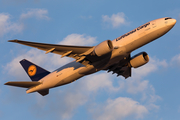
column 122, row 45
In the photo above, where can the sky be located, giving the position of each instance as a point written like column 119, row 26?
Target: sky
column 152, row 92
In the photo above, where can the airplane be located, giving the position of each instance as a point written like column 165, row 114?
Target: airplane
column 109, row 55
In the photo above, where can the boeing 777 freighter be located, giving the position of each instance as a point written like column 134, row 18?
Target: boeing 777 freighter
column 109, row 55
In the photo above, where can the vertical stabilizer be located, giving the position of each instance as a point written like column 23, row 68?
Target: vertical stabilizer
column 34, row 72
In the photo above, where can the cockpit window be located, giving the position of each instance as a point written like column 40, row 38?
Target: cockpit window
column 168, row 18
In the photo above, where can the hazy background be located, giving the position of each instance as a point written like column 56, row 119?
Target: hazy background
column 152, row 92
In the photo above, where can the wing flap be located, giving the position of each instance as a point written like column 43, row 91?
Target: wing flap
column 25, row 84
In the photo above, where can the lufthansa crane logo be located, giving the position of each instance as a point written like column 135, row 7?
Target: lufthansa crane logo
column 32, row 70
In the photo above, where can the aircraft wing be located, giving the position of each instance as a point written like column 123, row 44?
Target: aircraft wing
column 77, row 52
column 121, row 68
column 124, row 71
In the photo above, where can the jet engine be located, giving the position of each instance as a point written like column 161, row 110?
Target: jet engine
column 103, row 48
column 139, row 60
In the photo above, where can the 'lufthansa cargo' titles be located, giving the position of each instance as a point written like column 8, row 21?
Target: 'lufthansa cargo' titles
column 139, row 28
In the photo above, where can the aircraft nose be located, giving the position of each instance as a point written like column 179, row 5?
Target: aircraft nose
column 173, row 21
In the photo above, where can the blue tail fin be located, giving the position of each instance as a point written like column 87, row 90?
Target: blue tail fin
column 34, row 72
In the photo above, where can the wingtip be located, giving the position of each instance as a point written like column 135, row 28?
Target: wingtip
column 13, row 40
column 6, row 83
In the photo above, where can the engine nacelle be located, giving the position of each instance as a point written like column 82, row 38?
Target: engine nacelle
column 139, row 60
column 103, row 48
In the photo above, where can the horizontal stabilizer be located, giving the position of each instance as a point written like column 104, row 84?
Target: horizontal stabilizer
column 43, row 92
column 25, row 84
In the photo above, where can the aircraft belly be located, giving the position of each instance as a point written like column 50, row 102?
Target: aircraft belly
column 137, row 43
